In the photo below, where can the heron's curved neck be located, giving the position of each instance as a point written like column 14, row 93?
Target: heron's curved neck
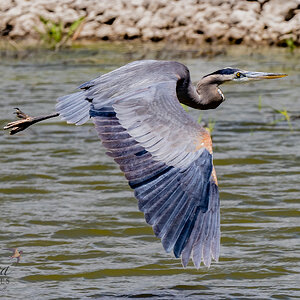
column 206, row 94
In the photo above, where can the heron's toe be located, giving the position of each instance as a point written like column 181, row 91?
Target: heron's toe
column 21, row 114
column 18, row 126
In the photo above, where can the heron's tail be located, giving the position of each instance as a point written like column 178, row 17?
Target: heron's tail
column 74, row 108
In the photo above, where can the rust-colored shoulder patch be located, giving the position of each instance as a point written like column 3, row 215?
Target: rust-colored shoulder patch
column 214, row 176
column 204, row 140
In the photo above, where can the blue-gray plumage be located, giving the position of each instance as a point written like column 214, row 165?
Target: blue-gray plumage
column 165, row 155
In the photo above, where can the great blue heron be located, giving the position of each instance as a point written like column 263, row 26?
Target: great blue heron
column 166, row 156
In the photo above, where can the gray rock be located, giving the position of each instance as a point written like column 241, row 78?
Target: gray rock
column 227, row 21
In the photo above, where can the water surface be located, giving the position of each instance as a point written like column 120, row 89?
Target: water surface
column 69, row 208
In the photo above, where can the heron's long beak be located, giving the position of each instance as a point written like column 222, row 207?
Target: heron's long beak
column 262, row 75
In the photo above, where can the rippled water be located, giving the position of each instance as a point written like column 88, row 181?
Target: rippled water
column 68, row 207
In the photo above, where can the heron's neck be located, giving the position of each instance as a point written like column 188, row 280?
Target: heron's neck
column 206, row 94
column 209, row 94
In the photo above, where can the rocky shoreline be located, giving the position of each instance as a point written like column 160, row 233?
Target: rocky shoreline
column 262, row 22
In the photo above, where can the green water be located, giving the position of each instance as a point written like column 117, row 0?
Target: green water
column 68, row 207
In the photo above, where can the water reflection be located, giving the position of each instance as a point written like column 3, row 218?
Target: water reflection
column 69, row 208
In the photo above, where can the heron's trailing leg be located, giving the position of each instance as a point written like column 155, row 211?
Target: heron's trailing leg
column 25, row 121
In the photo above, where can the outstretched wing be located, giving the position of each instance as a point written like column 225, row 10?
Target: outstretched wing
column 167, row 158
column 74, row 108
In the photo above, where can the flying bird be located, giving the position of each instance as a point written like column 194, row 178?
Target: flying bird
column 165, row 154
column 15, row 253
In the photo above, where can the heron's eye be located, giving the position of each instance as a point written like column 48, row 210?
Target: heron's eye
column 238, row 75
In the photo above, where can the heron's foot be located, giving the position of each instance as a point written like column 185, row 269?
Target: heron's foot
column 19, row 125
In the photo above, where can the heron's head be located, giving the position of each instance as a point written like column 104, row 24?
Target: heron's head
column 211, row 95
column 237, row 75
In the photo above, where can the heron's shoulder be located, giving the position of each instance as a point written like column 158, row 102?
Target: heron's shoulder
column 162, row 66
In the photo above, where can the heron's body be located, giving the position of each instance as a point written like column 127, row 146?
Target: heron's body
column 165, row 155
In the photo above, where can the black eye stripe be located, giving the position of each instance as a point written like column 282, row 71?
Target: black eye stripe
column 226, row 71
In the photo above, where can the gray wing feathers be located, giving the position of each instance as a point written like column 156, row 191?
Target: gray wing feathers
column 103, row 90
column 154, row 117
column 204, row 241
column 74, row 108
column 130, row 77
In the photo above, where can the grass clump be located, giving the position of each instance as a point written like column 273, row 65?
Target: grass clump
column 57, row 35
column 290, row 44
column 279, row 115
column 285, row 116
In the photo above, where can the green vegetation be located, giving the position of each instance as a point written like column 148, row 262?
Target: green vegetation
column 283, row 113
column 290, row 44
column 259, row 103
column 185, row 107
column 56, row 35
column 285, row 117
column 209, row 126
